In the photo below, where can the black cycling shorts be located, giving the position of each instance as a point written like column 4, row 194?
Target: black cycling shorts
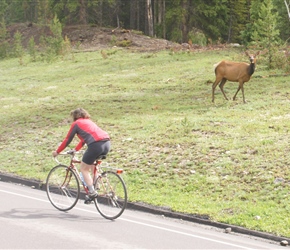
column 94, row 150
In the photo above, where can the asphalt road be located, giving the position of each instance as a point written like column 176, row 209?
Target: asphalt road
column 29, row 221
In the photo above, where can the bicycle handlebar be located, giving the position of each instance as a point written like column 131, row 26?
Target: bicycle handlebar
column 71, row 153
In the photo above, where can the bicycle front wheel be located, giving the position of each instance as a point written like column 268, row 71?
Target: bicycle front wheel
column 62, row 188
column 112, row 195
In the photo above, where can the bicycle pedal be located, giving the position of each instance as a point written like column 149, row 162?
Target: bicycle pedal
column 88, row 200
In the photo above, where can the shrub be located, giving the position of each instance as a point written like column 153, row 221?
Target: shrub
column 31, row 49
column 124, row 43
column 197, row 37
column 54, row 45
column 18, row 50
column 4, row 50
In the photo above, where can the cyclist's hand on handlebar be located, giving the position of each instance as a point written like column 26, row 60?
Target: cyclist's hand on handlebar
column 71, row 152
column 54, row 154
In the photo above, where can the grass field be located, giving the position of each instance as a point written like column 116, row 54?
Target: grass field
column 227, row 161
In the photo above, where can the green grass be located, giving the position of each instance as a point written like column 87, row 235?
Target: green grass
column 228, row 161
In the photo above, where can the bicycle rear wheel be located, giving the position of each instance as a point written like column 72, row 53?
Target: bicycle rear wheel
column 112, row 195
column 62, row 188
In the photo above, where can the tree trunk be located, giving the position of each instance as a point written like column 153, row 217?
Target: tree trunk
column 149, row 18
column 138, row 15
column 132, row 14
column 155, row 12
column 185, row 20
column 164, row 20
column 83, row 12
column 230, row 22
column 287, row 7
column 160, row 16
column 135, row 14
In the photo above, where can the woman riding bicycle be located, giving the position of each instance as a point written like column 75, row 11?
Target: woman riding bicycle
column 97, row 140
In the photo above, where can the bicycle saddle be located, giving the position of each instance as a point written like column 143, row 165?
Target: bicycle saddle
column 102, row 157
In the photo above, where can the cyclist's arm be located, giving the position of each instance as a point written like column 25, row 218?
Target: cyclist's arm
column 80, row 144
column 70, row 135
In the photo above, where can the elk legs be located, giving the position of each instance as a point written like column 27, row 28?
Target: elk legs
column 241, row 86
column 222, row 87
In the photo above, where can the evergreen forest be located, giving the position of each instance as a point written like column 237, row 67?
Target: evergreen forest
column 195, row 21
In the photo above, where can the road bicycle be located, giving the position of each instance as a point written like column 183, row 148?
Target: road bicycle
column 63, row 187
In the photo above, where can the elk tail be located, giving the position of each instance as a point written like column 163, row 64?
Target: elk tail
column 215, row 65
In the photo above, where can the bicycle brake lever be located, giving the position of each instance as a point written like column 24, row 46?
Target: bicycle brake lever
column 71, row 152
column 55, row 158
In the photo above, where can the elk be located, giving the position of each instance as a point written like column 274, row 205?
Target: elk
column 235, row 72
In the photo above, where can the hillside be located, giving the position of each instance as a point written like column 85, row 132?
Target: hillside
column 93, row 38
column 228, row 161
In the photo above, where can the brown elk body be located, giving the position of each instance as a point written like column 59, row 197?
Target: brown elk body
column 235, row 72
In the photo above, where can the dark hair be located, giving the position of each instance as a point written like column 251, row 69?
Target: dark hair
column 79, row 113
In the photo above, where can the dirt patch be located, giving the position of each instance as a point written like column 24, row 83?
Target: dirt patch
column 93, row 38
column 27, row 31
column 90, row 38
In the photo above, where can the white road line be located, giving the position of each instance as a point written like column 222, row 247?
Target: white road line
column 25, row 196
column 186, row 234
column 136, row 222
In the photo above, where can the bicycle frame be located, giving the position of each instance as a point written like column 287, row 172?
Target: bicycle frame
column 97, row 171
column 64, row 183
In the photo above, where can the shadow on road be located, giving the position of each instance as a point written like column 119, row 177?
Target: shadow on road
column 32, row 214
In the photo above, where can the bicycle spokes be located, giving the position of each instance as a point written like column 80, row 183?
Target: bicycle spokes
column 112, row 195
column 62, row 188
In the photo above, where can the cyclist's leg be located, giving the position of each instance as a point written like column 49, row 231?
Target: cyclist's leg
column 94, row 151
column 85, row 170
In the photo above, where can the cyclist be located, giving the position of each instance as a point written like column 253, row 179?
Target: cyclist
column 97, row 140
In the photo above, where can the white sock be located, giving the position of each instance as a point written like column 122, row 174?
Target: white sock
column 91, row 189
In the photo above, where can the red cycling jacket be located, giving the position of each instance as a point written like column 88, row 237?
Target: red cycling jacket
column 87, row 131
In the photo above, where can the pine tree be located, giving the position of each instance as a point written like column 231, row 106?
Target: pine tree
column 212, row 18
column 265, row 32
column 3, row 6
column 247, row 33
column 283, row 22
column 238, row 15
